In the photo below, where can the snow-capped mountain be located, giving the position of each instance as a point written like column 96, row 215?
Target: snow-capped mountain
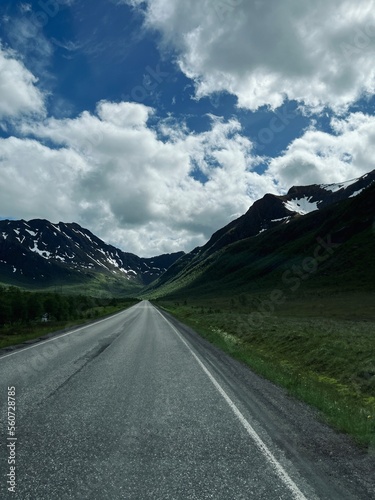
column 272, row 210
column 305, row 199
column 44, row 252
column 275, row 250
column 267, row 213
column 278, row 230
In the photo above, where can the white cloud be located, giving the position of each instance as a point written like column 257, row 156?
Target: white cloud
column 319, row 53
column 124, row 114
column 153, row 188
column 132, row 188
column 111, row 172
column 34, row 179
column 319, row 157
column 18, row 91
column 26, row 37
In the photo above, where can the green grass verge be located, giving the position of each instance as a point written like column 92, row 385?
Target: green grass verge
column 328, row 363
column 17, row 334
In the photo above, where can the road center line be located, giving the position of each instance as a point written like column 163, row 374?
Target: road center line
column 278, row 468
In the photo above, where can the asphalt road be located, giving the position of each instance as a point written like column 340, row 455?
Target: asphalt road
column 138, row 406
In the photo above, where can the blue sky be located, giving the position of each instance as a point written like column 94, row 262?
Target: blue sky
column 154, row 123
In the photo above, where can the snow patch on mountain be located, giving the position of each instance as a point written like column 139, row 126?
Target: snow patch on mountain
column 43, row 253
column 302, row 206
column 33, row 233
column 336, row 187
column 356, row 193
column 280, row 220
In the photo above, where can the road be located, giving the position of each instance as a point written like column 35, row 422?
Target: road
column 138, row 406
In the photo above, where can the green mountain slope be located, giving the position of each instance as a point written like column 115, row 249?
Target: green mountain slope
column 332, row 248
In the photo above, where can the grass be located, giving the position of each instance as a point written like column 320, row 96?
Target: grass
column 11, row 335
column 323, row 355
column 96, row 285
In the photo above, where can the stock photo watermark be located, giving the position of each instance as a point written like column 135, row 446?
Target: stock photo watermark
column 11, row 439
column 361, row 41
column 292, row 279
column 152, row 79
column 47, row 9
column 226, row 8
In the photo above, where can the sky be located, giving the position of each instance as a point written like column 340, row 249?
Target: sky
column 153, row 123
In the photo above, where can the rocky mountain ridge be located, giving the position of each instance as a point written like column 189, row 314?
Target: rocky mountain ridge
column 273, row 210
column 43, row 252
column 283, row 216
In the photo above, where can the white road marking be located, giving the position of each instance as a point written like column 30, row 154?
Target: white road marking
column 278, row 468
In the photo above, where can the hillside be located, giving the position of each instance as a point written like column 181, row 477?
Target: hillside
column 259, row 250
column 272, row 210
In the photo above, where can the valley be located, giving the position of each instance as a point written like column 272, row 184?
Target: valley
column 288, row 289
column 187, row 250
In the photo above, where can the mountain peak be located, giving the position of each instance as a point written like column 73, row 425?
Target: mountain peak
column 39, row 251
column 272, row 210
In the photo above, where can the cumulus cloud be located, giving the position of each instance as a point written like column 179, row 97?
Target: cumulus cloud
column 153, row 186
column 111, row 171
column 318, row 53
column 34, row 179
column 19, row 93
column 159, row 188
column 321, row 157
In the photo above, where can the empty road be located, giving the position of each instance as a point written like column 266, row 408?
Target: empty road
column 138, row 406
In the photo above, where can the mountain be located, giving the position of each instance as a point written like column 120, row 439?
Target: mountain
column 40, row 253
column 276, row 232
column 273, row 210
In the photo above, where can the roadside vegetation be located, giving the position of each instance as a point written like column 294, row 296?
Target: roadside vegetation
column 320, row 347
column 28, row 315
